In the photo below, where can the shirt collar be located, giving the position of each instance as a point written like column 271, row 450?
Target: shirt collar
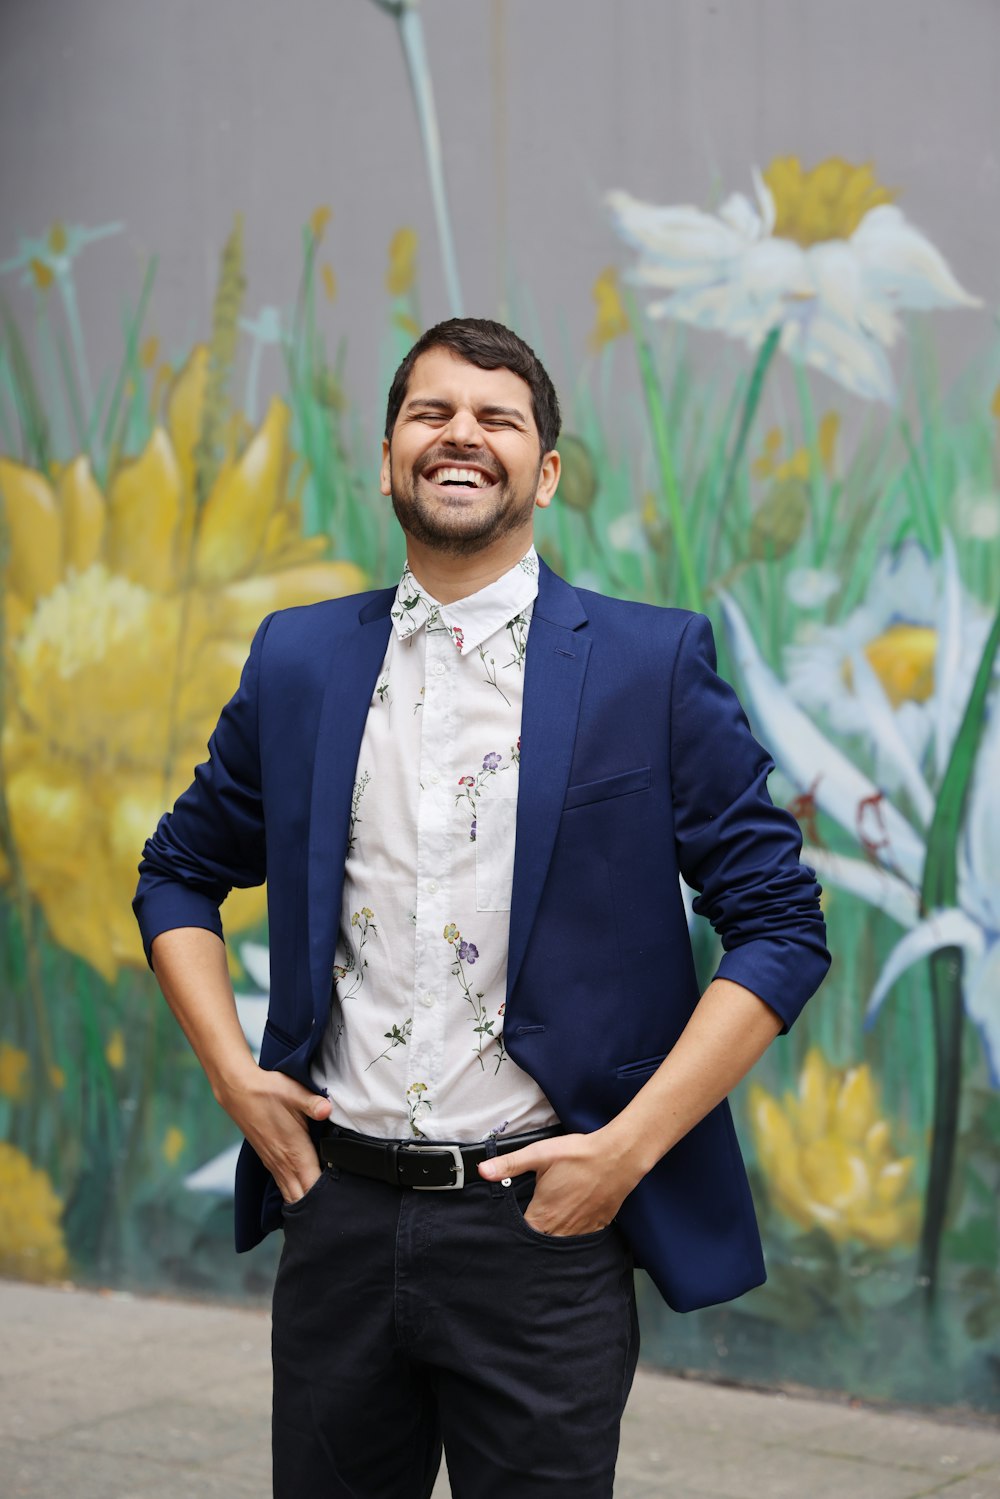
column 473, row 619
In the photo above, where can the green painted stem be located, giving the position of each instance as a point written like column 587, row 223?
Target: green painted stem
column 765, row 355
column 751, row 401
column 661, row 445
column 411, row 36
column 939, row 891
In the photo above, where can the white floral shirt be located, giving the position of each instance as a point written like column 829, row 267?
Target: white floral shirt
column 414, row 1045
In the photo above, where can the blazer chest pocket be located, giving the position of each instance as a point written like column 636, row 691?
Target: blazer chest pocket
column 623, row 784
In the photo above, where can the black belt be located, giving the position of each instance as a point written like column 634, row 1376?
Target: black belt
column 420, row 1164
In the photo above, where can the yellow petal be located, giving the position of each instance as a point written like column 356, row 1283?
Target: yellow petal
column 878, row 1142
column 234, row 522
column 60, row 844
column 144, row 505
column 249, row 601
column 402, row 270
column 813, row 1095
column 173, row 1145
column 856, row 1109
column 318, row 220
column 210, row 682
column 13, row 1072
column 82, row 515
column 882, row 1228
column 893, row 1180
column 185, row 401
column 835, row 1174
column 33, row 528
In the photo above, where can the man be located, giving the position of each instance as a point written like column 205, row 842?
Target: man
column 472, row 797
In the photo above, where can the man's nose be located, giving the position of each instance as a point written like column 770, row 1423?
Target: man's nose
column 463, row 430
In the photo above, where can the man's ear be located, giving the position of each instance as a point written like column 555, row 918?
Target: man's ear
column 385, row 474
column 548, row 479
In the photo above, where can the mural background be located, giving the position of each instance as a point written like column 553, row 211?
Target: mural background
column 224, row 225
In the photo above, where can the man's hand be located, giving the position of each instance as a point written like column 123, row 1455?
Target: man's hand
column 271, row 1110
column 582, row 1181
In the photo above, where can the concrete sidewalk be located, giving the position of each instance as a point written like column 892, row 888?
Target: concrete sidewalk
column 110, row 1397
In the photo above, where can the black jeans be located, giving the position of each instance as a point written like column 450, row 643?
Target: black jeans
column 406, row 1319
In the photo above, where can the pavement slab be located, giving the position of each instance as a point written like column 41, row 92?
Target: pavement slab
column 109, row 1396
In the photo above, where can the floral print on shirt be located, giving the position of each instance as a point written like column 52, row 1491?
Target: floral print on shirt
column 466, row 956
column 415, row 1044
column 472, row 786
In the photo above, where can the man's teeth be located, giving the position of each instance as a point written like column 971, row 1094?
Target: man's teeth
column 460, row 476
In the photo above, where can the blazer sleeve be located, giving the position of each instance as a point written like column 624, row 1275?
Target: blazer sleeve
column 739, row 851
column 213, row 839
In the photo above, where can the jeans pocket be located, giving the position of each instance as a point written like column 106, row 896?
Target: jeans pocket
column 292, row 1209
column 519, row 1196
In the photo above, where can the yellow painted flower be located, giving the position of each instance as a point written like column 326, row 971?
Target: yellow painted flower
column 610, row 317
column 32, row 1246
column 319, row 219
column 114, row 1051
column 826, row 203
column 42, row 273
column 829, row 1159
column 128, row 616
column 402, row 269
column 13, row 1072
column 770, row 464
column 174, row 1142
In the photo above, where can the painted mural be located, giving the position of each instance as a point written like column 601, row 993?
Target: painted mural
column 154, row 512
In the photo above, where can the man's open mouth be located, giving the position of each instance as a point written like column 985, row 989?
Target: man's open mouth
column 451, row 477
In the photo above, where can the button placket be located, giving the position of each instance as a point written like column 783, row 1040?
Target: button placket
column 433, row 863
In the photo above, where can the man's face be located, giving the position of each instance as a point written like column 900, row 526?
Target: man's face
column 464, row 466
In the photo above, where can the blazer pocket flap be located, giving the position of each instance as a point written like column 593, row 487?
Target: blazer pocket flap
column 645, row 1066
column 599, row 791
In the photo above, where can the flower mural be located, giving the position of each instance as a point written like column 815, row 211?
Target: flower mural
column 32, row 1243
column 893, row 852
column 129, row 609
column 144, row 541
column 828, row 1157
column 824, row 256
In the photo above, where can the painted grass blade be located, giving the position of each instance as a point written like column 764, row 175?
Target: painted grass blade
column 939, row 891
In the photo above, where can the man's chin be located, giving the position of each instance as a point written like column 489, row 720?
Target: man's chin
column 458, row 532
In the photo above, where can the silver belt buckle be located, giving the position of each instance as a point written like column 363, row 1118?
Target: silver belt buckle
column 454, row 1151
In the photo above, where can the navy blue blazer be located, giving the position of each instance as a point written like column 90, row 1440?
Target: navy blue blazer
column 637, row 766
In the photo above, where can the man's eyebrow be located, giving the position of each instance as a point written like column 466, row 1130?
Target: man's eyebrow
column 434, row 403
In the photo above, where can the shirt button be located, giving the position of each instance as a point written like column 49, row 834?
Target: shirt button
column 432, row 887
column 435, row 778
column 427, row 999
column 439, row 668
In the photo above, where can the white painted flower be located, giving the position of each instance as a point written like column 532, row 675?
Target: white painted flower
column 890, row 874
column 977, row 514
column 218, row 1176
column 823, row 254
column 811, row 587
column 898, row 669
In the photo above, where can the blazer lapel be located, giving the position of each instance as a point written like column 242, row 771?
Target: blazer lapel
column 344, row 710
column 554, row 670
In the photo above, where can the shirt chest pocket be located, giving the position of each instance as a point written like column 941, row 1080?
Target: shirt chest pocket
column 496, row 822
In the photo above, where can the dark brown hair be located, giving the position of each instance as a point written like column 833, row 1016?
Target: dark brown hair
column 490, row 346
